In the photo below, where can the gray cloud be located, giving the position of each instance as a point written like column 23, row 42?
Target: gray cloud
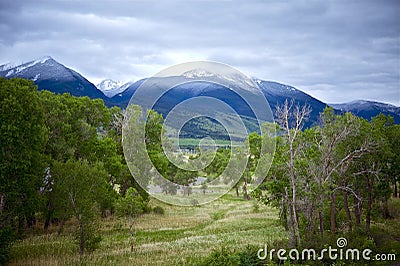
column 335, row 50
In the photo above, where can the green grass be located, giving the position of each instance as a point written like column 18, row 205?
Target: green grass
column 192, row 142
column 180, row 236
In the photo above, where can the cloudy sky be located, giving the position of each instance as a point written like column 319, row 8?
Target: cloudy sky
column 337, row 51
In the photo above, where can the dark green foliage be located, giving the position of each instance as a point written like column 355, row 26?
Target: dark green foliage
column 159, row 210
column 131, row 206
column 61, row 157
column 23, row 136
column 79, row 188
column 342, row 173
column 219, row 163
column 227, row 256
column 6, row 238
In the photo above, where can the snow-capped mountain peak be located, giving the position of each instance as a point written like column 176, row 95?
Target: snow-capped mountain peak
column 111, row 87
column 6, row 67
column 49, row 74
column 365, row 105
column 109, row 84
column 14, row 70
column 198, row 73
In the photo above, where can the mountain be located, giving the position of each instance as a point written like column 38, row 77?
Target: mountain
column 48, row 74
column 368, row 109
column 277, row 93
column 110, row 87
column 122, row 99
column 51, row 75
column 274, row 92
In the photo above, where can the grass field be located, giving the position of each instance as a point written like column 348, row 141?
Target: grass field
column 192, row 142
column 182, row 236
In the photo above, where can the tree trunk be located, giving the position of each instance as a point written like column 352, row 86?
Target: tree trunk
column 295, row 217
column 385, row 209
column 47, row 223
column 60, row 228
column 357, row 206
column 309, row 217
column 290, row 223
column 369, row 204
column 245, row 194
column 333, row 213
column 2, row 202
column 131, row 232
column 237, row 190
column 346, row 207
column 81, row 237
column 124, row 188
column 357, row 213
column 49, row 212
column 283, row 212
column 321, row 223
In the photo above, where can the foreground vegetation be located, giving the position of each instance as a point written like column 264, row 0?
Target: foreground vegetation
column 182, row 235
column 219, row 233
column 66, row 188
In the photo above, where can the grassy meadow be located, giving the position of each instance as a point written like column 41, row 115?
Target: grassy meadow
column 181, row 236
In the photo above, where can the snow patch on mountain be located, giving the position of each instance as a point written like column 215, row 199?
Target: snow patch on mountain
column 14, row 70
column 20, row 68
column 6, row 67
column 36, row 77
column 198, row 73
column 109, row 84
column 111, row 87
column 229, row 79
column 365, row 105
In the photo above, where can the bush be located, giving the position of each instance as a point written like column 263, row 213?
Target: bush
column 195, row 202
column 256, row 207
column 218, row 215
column 6, row 238
column 221, row 257
column 91, row 236
column 226, row 256
column 159, row 210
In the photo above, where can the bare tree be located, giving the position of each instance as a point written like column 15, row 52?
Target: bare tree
column 291, row 118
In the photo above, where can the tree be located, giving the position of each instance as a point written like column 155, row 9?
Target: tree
column 204, row 187
column 23, row 136
column 341, row 141
column 291, row 119
column 142, row 144
column 185, row 178
column 234, row 173
column 78, row 186
column 393, row 166
column 254, row 142
column 131, row 206
column 78, row 129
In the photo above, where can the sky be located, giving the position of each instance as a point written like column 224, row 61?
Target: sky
column 336, row 51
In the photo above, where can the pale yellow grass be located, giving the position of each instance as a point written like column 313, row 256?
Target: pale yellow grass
column 181, row 234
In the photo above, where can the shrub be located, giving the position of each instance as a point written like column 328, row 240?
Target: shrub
column 226, row 256
column 195, row 202
column 6, row 238
column 159, row 210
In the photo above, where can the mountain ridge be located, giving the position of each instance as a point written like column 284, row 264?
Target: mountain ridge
column 48, row 74
column 51, row 75
column 367, row 108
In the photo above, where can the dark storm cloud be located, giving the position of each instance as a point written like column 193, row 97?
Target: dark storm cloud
column 334, row 50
